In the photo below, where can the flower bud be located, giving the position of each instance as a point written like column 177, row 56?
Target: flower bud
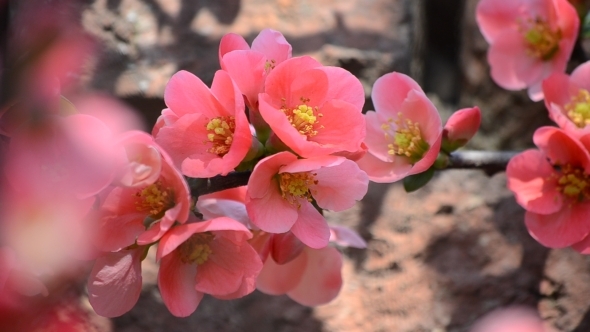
column 460, row 128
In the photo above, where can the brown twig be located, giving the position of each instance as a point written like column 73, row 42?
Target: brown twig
column 491, row 162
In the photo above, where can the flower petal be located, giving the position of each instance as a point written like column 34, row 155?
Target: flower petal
column 176, row 281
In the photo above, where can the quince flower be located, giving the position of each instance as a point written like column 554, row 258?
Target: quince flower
column 404, row 132
column 152, row 194
column 282, row 188
column 308, row 276
column 248, row 67
column 314, row 110
column 529, row 40
column 568, row 100
column 209, row 257
column 205, row 131
column 553, row 185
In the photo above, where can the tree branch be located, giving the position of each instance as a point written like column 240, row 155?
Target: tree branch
column 491, row 162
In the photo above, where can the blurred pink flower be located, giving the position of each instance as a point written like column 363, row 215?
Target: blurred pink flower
column 460, row 128
column 315, row 110
column 568, row 99
column 404, row 132
column 210, row 257
column 552, row 185
column 75, row 153
column 248, row 67
column 151, row 197
column 529, row 40
column 282, row 188
column 511, row 319
column 205, row 131
column 46, row 234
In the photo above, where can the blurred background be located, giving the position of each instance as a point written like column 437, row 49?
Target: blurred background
column 438, row 259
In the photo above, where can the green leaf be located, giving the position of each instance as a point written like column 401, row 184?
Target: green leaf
column 417, row 181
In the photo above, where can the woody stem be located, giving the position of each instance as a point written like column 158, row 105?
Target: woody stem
column 491, row 162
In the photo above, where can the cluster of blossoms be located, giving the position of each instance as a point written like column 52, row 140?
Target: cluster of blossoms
column 552, row 182
column 530, row 45
column 295, row 125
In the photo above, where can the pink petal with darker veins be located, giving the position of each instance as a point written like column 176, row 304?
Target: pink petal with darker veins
column 115, row 282
column 176, row 281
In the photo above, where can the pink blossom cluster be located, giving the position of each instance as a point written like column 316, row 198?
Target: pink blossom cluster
column 529, row 40
column 89, row 186
column 551, row 182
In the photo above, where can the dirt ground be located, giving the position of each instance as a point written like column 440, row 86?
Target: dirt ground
column 437, row 259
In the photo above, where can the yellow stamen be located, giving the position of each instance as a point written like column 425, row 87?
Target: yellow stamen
column 269, row 65
column 221, row 134
column 542, row 42
column 406, row 139
column 578, row 110
column 155, row 199
column 304, row 118
column 295, row 186
column 196, row 249
column 573, row 183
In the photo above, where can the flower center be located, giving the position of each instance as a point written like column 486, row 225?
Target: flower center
column 407, row 139
column 269, row 65
column 295, row 186
column 155, row 199
column 304, row 118
column 541, row 41
column 221, row 134
column 196, row 249
column 578, row 110
column 574, row 183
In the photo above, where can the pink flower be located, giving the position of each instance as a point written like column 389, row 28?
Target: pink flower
column 282, row 188
column 153, row 195
column 314, row 110
column 206, row 132
column 309, row 276
column 76, row 153
column 552, row 185
column 16, row 280
column 529, row 40
column 403, row 133
column 460, row 128
column 512, row 319
column 114, row 284
column 249, row 67
column 210, row 257
column 568, row 99
column 48, row 232
column 312, row 278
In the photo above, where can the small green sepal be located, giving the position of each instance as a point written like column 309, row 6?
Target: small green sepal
column 417, row 181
